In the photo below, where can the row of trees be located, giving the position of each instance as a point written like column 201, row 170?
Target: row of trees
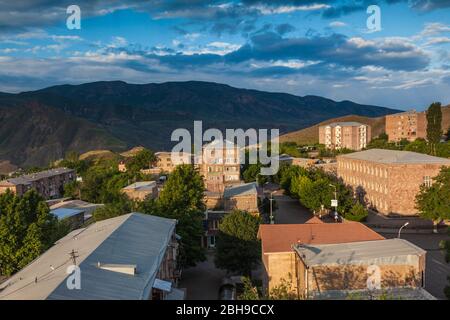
column 27, row 228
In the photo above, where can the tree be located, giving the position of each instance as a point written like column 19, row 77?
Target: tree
column 238, row 249
column 182, row 199
column 357, row 213
column 141, row 160
column 249, row 292
column 434, row 125
column 27, row 228
column 433, row 202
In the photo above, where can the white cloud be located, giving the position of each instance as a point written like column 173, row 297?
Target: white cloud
column 267, row 10
column 337, row 24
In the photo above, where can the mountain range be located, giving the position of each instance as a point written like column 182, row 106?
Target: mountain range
column 41, row 126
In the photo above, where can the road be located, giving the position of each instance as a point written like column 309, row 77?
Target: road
column 437, row 269
column 289, row 210
column 203, row 281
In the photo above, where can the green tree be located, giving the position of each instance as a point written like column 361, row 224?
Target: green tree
column 434, row 125
column 141, row 160
column 238, row 249
column 419, row 145
column 249, row 292
column 26, row 229
column 182, row 199
column 357, row 213
column 433, row 202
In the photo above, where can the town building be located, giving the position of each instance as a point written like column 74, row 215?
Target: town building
column 211, row 227
column 141, row 190
column 408, row 125
column 130, row 257
column 167, row 161
column 220, row 165
column 277, row 241
column 389, row 180
column 302, row 162
column 86, row 207
column 333, row 270
column 349, row 135
column 49, row 184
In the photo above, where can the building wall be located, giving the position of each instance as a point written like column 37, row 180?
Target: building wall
column 214, row 201
column 220, row 167
column 245, row 202
column 165, row 164
column 406, row 125
column 354, row 137
column 141, row 194
column 354, row 277
column 386, row 188
column 279, row 267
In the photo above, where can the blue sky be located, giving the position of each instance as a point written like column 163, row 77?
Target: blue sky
column 297, row 46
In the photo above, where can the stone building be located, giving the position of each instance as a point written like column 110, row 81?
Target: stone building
column 325, row 270
column 141, row 190
column 220, row 165
column 408, row 125
column 49, row 184
column 168, row 161
column 389, row 180
column 277, row 241
column 349, row 135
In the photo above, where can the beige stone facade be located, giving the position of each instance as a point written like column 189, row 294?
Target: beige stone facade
column 349, row 135
column 406, row 125
column 141, row 190
column 168, row 161
column 386, row 180
column 220, row 165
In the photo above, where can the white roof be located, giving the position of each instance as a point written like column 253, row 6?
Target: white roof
column 395, row 157
column 141, row 185
column 389, row 251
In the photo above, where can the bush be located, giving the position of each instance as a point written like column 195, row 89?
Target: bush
column 357, row 213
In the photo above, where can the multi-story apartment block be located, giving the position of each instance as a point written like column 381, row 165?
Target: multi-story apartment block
column 49, row 184
column 350, row 135
column 220, row 165
column 389, row 180
column 408, row 125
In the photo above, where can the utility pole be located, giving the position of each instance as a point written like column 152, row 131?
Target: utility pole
column 271, row 214
column 334, row 203
column 74, row 256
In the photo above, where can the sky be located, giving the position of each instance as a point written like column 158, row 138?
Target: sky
column 302, row 47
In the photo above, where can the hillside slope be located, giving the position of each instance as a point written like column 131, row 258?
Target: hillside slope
column 111, row 115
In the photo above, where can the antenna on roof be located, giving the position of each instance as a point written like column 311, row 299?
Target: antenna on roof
column 74, row 256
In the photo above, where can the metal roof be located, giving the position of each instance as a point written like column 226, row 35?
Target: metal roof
column 133, row 238
column 27, row 178
column 141, row 185
column 62, row 213
column 240, row 190
column 345, row 124
column 395, row 157
column 389, row 251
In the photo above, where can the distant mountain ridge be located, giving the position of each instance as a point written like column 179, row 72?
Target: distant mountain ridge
column 116, row 115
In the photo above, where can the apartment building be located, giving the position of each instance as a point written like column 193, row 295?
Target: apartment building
column 408, row 125
column 167, row 161
column 49, row 184
column 220, row 165
column 130, row 257
column 389, row 180
column 349, row 135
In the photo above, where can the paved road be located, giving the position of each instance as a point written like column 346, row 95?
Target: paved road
column 289, row 210
column 202, row 282
column 437, row 269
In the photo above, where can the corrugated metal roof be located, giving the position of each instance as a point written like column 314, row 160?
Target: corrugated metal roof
column 240, row 190
column 390, row 251
column 133, row 238
column 141, row 185
column 395, row 156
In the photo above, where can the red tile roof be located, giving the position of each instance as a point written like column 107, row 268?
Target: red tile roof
column 281, row 237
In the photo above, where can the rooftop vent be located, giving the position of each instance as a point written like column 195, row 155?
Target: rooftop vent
column 121, row 268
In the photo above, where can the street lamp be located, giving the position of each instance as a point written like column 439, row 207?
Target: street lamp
column 334, row 202
column 271, row 215
column 400, row 230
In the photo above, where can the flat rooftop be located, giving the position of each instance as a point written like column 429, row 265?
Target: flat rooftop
column 141, row 185
column 27, row 178
column 240, row 190
column 387, row 251
column 394, row 157
column 344, row 124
